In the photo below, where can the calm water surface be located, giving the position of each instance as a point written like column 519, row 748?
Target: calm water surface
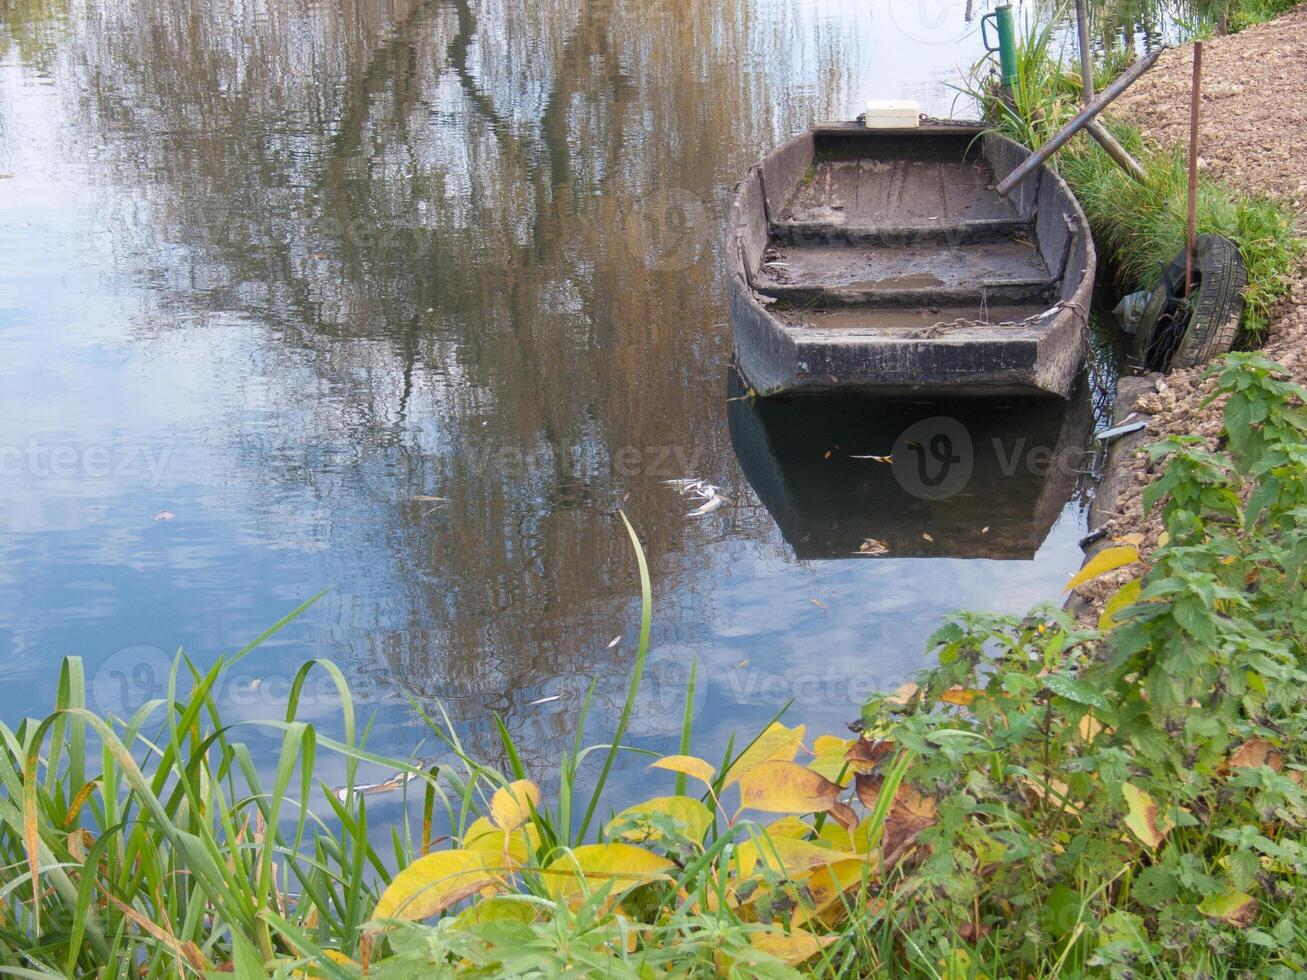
column 404, row 301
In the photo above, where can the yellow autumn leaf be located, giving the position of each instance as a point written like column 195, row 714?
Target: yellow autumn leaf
column 500, row 908
column 792, row 947
column 1236, row 908
column 1254, row 753
column 777, row 742
column 830, row 745
column 590, row 867
column 1125, row 596
column 783, row 854
column 834, row 767
column 1134, row 538
column 1142, row 817
column 790, row 827
column 960, row 695
column 433, row 883
column 331, row 955
column 688, row 815
column 688, row 765
column 827, row 884
column 1107, row 560
column 507, row 849
column 511, row 805
column 856, row 841
column 786, row 787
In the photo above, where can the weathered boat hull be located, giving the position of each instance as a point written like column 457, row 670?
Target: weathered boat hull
column 904, row 272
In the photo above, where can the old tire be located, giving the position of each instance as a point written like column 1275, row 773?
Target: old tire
column 1220, row 280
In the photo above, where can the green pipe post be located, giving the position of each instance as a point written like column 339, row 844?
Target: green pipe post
column 1006, row 48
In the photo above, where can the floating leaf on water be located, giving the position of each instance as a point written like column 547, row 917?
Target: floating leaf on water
column 871, row 546
column 614, row 641
column 818, row 603
column 426, row 498
column 164, row 515
column 552, row 697
column 707, row 507
column 985, row 529
column 878, row 459
column 926, row 536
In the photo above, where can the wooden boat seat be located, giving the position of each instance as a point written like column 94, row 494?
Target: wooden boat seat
column 874, row 197
column 1005, row 270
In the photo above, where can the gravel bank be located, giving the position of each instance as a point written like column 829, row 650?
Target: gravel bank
column 1254, row 116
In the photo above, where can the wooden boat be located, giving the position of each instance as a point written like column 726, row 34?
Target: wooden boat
column 884, row 261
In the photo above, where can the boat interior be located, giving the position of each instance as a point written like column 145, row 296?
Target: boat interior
column 902, row 231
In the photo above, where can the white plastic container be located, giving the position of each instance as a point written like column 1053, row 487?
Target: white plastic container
column 893, row 114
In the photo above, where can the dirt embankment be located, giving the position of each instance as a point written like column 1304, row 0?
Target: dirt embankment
column 1254, row 116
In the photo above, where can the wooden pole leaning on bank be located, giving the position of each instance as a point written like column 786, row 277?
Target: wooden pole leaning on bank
column 1111, row 146
column 1191, row 227
column 1082, row 119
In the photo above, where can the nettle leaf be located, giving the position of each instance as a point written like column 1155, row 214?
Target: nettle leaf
column 1065, row 686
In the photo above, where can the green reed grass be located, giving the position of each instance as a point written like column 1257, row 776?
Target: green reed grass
column 1137, row 226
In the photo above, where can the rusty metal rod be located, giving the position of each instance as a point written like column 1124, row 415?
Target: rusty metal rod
column 1109, row 95
column 1191, row 229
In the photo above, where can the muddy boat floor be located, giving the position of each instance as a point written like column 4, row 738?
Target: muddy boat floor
column 868, row 194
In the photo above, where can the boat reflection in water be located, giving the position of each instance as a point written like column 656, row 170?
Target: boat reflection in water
column 963, row 478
